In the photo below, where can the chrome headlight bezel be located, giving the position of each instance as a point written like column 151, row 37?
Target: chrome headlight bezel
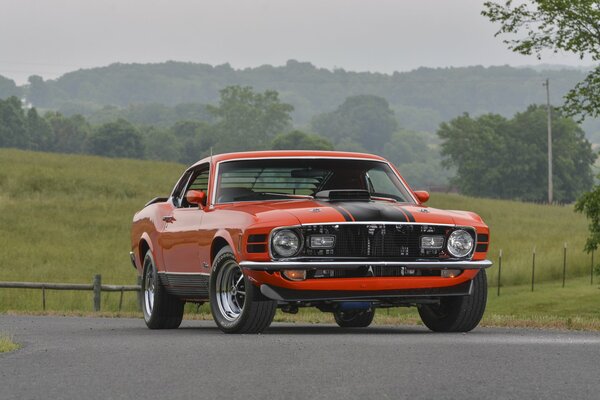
column 277, row 235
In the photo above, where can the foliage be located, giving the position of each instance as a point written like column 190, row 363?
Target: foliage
column 152, row 114
column 116, row 139
column 8, row 88
column 298, row 140
column 556, row 25
column 365, row 120
column 421, row 99
column 68, row 133
column 501, row 158
column 196, row 139
column 589, row 205
column 13, row 126
column 417, row 157
column 244, row 117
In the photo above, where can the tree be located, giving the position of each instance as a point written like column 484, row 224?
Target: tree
column 13, row 125
column 417, row 158
column 501, row 158
column 248, row 120
column 365, row 120
column 297, row 140
column 39, row 132
column 8, row 88
column 69, row 134
column 116, row 139
column 555, row 25
column 195, row 139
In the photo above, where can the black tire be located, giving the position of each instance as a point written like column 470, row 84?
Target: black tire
column 354, row 319
column 457, row 314
column 161, row 310
column 233, row 312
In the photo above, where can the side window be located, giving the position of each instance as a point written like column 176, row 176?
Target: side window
column 198, row 181
column 183, row 181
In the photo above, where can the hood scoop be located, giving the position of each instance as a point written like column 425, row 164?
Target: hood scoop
column 343, row 195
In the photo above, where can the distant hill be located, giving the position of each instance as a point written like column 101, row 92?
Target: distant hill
column 421, row 98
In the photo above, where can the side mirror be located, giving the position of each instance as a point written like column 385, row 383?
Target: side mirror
column 196, row 197
column 422, row 195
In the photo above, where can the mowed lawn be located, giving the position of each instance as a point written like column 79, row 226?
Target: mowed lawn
column 65, row 218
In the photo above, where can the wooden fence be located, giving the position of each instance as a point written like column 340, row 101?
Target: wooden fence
column 97, row 287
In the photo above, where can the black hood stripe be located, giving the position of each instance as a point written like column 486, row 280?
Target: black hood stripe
column 373, row 211
column 411, row 217
column 341, row 210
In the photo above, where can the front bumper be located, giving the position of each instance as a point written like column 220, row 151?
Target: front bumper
column 283, row 294
column 306, row 265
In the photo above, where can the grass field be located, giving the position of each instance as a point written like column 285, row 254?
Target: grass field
column 6, row 344
column 65, row 218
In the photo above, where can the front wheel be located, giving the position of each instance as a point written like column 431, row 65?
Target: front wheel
column 457, row 314
column 161, row 310
column 237, row 306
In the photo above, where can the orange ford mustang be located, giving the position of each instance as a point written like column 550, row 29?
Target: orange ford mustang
column 342, row 232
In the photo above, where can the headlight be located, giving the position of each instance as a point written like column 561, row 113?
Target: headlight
column 285, row 243
column 460, row 243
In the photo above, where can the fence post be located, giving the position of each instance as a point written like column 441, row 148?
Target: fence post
column 564, row 264
column 533, row 270
column 499, row 270
column 44, row 298
column 592, row 270
column 121, row 300
column 97, row 283
column 140, row 295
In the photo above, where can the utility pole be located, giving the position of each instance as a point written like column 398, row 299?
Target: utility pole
column 550, row 189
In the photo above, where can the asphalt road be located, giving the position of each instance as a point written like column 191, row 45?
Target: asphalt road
column 96, row 358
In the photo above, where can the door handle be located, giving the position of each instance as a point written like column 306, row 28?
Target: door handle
column 168, row 218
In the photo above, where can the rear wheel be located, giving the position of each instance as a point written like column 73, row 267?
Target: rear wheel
column 355, row 318
column 237, row 305
column 161, row 310
column 457, row 314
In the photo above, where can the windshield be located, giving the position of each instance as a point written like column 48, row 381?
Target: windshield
column 273, row 179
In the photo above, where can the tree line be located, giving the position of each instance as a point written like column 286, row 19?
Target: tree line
column 489, row 155
column 421, row 99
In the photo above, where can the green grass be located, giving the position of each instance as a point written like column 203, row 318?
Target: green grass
column 6, row 344
column 517, row 228
column 65, row 218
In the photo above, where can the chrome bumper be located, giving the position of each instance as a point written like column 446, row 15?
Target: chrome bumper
column 283, row 265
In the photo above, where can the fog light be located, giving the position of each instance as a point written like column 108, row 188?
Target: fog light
column 450, row 273
column 322, row 241
column 432, row 242
column 295, row 274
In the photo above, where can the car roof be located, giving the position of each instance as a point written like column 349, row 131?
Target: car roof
column 288, row 153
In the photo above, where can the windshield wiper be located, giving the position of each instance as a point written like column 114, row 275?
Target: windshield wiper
column 298, row 196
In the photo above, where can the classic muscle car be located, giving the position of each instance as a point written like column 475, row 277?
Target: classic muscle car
column 343, row 232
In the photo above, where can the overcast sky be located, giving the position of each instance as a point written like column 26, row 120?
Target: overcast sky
column 51, row 37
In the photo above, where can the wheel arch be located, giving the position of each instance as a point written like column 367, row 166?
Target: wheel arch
column 144, row 245
column 220, row 241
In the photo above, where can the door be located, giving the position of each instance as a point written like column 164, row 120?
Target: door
column 182, row 239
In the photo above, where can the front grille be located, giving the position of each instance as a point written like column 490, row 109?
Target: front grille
column 373, row 271
column 375, row 241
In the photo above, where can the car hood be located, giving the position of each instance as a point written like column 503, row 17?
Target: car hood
column 314, row 212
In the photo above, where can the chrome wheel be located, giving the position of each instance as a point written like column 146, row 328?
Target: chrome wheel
column 231, row 290
column 149, row 287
